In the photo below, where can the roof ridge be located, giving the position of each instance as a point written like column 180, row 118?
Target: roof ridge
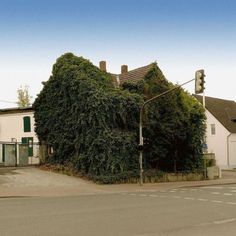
column 228, row 100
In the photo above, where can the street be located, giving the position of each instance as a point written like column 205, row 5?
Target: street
column 207, row 210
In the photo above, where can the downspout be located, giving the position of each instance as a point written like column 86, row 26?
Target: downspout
column 228, row 149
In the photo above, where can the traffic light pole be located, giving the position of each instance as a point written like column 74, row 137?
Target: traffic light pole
column 141, row 126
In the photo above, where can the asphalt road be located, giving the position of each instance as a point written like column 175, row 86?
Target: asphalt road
column 183, row 211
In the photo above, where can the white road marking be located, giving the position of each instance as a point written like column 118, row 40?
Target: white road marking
column 215, row 201
column 189, row 198
column 202, row 199
column 231, row 203
column 217, row 222
column 232, row 187
column 143, row 195
column 132, row 194
column 177, row 197
column 228, row 194
column 233, row 191
column 152, row 195
column 212, row 187
column 225, row 221
column 193, row 190
column 215, row 193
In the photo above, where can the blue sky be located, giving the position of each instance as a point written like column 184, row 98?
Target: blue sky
column 181, row 35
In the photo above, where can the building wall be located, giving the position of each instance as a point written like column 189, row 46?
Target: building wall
column 12, row 127
column 217, row 143
column 232, row 150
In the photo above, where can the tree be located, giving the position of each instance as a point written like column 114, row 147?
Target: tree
column 24, row 99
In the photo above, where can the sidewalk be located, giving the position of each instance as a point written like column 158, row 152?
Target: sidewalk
column 228, row 177
column 31, row 182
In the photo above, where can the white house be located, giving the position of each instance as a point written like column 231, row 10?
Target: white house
column 17, row 126
column 221, row 130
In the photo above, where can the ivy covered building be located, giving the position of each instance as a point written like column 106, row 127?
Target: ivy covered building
column 89, row 118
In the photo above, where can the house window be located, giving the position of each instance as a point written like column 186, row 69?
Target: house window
column 213, row 129
column 27, row 125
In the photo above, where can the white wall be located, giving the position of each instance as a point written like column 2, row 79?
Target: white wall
column 12, row 126
column 217, row 143
column 232, row 150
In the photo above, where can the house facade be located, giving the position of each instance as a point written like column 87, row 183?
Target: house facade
column 221, row 130
column 17, row 128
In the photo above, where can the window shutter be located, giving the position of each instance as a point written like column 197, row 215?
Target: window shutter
column 27, row 125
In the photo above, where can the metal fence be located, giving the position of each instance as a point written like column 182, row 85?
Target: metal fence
column 19, row 154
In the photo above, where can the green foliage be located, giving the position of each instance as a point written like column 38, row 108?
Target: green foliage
column 173, row 125
column 85, row 120
column 94, row 127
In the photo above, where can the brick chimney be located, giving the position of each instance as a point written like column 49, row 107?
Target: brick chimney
column 103, row 66
column 124, row 69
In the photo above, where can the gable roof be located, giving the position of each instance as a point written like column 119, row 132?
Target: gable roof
column 132, row 76
column 135, row 75
column 223, row 110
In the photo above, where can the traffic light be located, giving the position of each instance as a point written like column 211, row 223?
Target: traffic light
column 199, row 81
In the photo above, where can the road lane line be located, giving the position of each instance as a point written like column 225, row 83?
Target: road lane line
column 215, row 201
column 153, row 195
column 224, row 221
column 202, row 199
column 228, row 194
column 231, row 203
column 177, row 197
column 189, row 198
column 216, row 193
column 193, row 190
column 212, row 187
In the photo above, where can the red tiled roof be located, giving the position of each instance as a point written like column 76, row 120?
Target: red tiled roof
column 132, row 76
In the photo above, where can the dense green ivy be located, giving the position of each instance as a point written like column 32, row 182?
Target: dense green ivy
column 173, row 125
column 93, row 126
column 86, row 120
